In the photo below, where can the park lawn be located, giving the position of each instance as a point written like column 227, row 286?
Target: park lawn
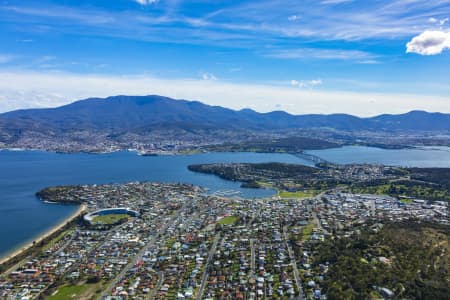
column 307, row 231
column 228, row 220
column 406, row 200
column 297, row 195
column 67, row 292
column 109, row 219
column 410, row 190
column 264, row 184
column 382, row 189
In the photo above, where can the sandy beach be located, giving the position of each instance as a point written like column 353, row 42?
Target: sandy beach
column 45, row 235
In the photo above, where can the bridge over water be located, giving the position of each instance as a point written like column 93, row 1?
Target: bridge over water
column 313, row 158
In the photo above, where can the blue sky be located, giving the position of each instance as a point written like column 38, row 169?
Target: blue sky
column 322, row 56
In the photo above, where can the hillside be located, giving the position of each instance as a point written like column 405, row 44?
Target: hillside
column 410, row 259
column 133, row 112
column 124, row 121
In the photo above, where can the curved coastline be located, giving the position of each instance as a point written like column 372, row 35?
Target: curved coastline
column 54, row 178
column 46, row 235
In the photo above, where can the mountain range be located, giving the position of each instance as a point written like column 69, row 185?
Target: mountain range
column 122, row 117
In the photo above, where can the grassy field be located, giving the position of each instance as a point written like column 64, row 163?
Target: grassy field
column 56, row 239
column 406, row 200
column 264, row 184
column 307, row 231
column 110, row 219
column 84, row 291
column 409, row 189
column 228, row 220
column 296, row 195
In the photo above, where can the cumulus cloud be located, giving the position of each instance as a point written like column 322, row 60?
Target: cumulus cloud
column 429, row 43
column 293, row 18
column 306, row 83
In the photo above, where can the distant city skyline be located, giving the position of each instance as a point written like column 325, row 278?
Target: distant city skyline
column 330, row 56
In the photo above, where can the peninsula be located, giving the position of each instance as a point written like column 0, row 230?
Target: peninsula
column 146, row 240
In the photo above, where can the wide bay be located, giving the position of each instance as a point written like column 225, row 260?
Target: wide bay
column 23, row 173
column 415, row 157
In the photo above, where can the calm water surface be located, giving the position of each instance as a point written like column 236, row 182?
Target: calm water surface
column 23, row 173
column 420, row 157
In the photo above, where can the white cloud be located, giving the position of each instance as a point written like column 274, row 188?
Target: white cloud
column 146, row 2
column 306, row 83
column 208, row 76
column 293, row 18
column 243, row 23
column 22, row 89
column 435, row 21
column 313, row 53
column 429, row 43
column 67, row 14
column 335, row 1
column 369, row 62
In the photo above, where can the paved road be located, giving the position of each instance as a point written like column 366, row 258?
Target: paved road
column 157, row 287
column 294, row 266
column 252, row 241
column 252, row 257
column 256, row 214
column 318, row 224
column 208, row 261
column 316, row 219
column 66, row 244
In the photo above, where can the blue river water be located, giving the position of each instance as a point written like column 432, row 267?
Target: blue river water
column 417, row 157
column 23, row 173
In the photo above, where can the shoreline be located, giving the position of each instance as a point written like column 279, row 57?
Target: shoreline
column 28, row 245
column 200, row 151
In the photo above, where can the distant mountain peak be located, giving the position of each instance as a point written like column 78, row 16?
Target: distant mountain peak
column 247, row 110
column 130, row 113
